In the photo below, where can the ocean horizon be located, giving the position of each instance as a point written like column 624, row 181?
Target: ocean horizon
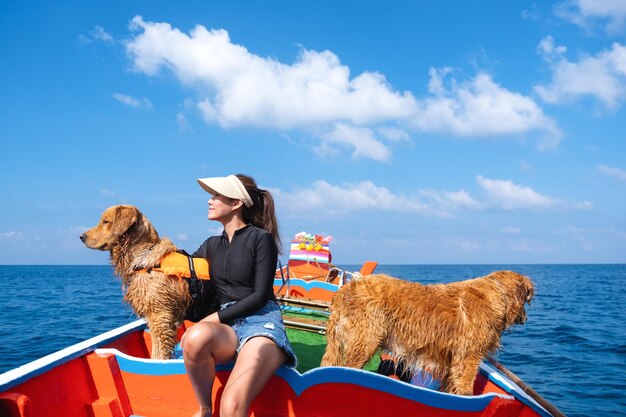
column 572, row 350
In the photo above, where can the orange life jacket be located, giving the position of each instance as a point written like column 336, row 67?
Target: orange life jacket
column 177, row 264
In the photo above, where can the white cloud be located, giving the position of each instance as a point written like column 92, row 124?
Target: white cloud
column 511, row 230
column 257, row 91
column 532, row 13
column 584, row 205
column 348, row 197
column 510, row 196
column 215, row 231
column 394, row 134
column 340, row 199
column 366, row 195
column 317, row 94
column 584, row 242
column 183, row 123
column 182, row 237
column 449, row 200
column 108, row 193
column 616, row 173
column 524, row 166
column 142, row 103
column 113, row 195
column 361, row 140
column 481, row 107
column 96, row 34
column 602, row 76
column 587, row 13
column 581, row 236
column 11, row 236
column 463, row 244
column 100, row 34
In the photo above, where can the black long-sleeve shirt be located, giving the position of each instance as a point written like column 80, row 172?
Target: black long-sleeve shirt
column 242, row 270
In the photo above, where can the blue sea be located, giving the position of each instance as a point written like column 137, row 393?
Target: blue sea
column 572, row 350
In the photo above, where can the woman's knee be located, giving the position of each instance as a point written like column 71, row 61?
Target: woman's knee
column 233, row 403
column 198, row 341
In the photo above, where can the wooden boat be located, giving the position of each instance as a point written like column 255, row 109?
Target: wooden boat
column 112, row 375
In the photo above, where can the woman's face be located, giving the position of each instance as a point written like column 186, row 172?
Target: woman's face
column 221, row 207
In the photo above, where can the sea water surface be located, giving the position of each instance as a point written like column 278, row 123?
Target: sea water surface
column 572, row 350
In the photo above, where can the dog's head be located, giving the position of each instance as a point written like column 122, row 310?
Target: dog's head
column 119, row 223
column 518, row 290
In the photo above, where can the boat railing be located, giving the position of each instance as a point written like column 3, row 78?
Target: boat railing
column 526, row 388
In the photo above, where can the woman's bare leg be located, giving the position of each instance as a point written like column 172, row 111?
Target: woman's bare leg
column 257, row 361
column 205, row 344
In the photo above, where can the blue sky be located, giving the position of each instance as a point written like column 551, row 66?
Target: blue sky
column 413, row 132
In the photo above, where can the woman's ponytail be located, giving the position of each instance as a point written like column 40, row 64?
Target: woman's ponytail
column 262, row 213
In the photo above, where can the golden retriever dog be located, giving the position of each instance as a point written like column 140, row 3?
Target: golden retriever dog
column 136, row 247
column 445, row 329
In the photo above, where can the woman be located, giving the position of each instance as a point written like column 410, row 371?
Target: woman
column 249, row 326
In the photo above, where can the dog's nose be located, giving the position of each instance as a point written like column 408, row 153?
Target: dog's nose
column 82, row 237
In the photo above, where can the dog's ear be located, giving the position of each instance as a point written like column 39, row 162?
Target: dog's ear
column 144, row 228
column 125, row 217
column 529, row 289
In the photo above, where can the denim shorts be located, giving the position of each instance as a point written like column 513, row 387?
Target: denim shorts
column 267, row 322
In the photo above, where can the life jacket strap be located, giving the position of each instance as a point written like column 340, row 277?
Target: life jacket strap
column 194, row 288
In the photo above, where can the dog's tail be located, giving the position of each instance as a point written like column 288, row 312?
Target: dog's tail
column 333, row 355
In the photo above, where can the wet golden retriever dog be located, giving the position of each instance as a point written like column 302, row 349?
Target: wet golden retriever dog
column 446, row 329
column 136, row 246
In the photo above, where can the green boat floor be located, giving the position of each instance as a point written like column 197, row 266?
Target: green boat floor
column 308, row 315
column 309, row 348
